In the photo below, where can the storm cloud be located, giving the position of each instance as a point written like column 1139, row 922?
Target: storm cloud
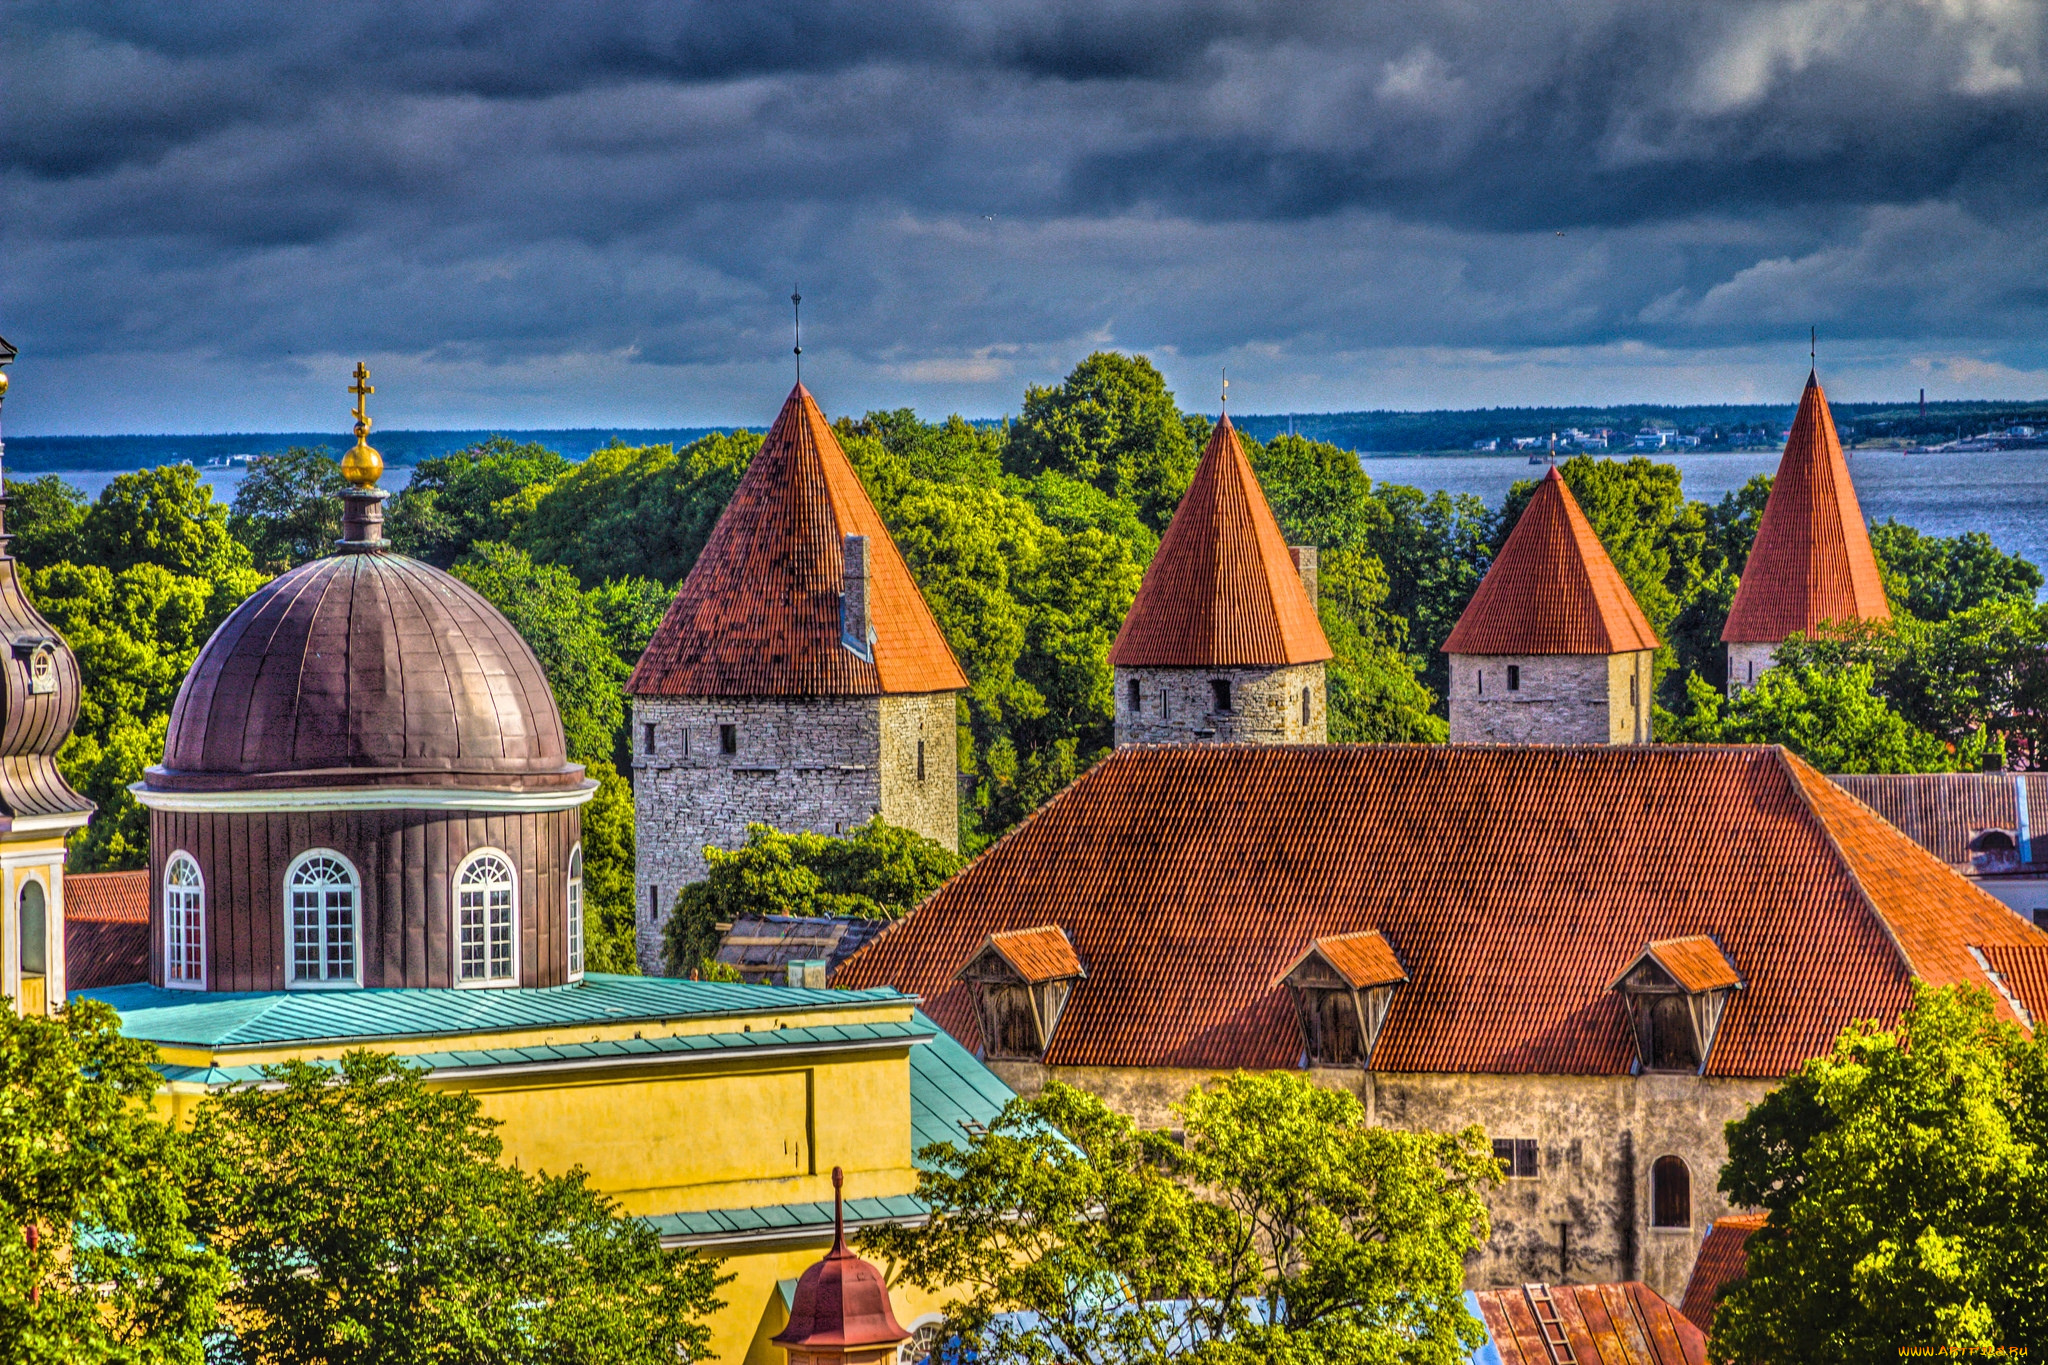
column 588, row 214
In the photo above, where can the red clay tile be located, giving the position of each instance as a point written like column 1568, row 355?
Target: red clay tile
column 1695, row 962
column 1812, row 560
column 2025, row 969
column 1363, row 960
column 1222, row 592
column 1552, row 589
column 1515, row 883
column 759, row 613
column 107, row 896
column 1038, row 955
column 1722, row 1259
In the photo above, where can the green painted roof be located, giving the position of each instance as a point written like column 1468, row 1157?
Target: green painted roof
column 260, row 1018
column 820, row 1037
column 949, row 1090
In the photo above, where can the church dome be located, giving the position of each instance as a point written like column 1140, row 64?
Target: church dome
column 362, row 670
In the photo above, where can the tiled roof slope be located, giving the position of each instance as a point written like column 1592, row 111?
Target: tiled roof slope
column 1724, row 1255
column 1515, row 883
column 759, row 613
column 1696, row 962
column 122, row 896
column 2025, row 969
column 1942, row 812
column 1811, row 561
column 1222, row 592
column 1039, row 955
column 1613, row 1324
column 1552, row 589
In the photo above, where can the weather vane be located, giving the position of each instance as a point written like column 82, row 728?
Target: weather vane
column 796, row 303
column 363, row 465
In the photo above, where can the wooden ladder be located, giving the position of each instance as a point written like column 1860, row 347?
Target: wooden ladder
column 1550, row 1324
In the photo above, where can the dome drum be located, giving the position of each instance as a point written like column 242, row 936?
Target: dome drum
column 324, row 899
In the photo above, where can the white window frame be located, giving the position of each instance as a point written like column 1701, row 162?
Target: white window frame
column 291, row 942
column 198, row 886
column 485, row 982
column 574, row 907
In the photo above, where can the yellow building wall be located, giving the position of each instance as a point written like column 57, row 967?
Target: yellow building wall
column 704, row 1131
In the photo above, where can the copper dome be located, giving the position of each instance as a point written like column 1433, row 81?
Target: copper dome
column 842, row 1302
column 365, row 670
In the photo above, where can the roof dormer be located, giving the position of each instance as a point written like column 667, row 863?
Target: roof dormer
column 1343, row 987
column 1676, row 990
column 1021, row 980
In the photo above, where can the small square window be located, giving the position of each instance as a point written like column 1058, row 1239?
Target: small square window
column 1514, row 677
column 1517, row 1157
column 728, row 739
column 1219, row 694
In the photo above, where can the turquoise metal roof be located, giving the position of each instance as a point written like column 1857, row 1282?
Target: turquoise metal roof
column 255, row 1019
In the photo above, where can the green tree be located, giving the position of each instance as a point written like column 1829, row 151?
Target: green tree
column 878, row 871
column 484, row 493
column 1286, row 1228
column 113, row 1273
column 1830, row 717
column 288, row 508
column 1906, row 1192
column 1435, row 549
column 1935, row 577
column 164, row 517
column 1111, row 423
column 44, row 518
column 368, row 1218
column 637, row 511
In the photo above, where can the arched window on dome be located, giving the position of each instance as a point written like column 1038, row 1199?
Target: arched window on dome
column 486, row 926
column 576, row 912
column 322, row 893
column 184, row 924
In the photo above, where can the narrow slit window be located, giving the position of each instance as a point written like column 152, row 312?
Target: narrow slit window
column 1136, row 697
column 654, row 905
column 728, row 739
column 1219, row 695
column 576, row 911
column 920, row 760
column 647, row 735
column 1514, row 677
column 1304, row 706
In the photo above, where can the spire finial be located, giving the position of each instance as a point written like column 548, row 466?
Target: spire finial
column 1225, row 400
column 1813, row 349
column 362, row 466
column 6, row 355
column 796, row 303
column 838, row 1210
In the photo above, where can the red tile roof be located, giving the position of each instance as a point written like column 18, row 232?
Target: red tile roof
column 1942, row 812
column 1222, row 592
column 2025, row 969
column 1363, row 960
column 759, row 613
column 1812, row 560
column 107, row 896
column 1515, row 882
column 1038, row 955
column 1611, row 1324
column 1552, row 589
column 1695, row 962
column 1722, row 1259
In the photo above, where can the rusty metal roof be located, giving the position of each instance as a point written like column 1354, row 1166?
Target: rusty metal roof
column 1552, row 589
column 761, row 947
column 1513, row 881
column 1222, row 592
column 1811, row 561
column 1944, row 812
column 1612, row 1324
column 1723, row 1257
column 759, row 614
column 365, row 670
column 1363, row 960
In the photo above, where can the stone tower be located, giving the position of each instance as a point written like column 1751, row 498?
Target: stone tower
column 39, row 699
column 1552, row 648
column 797, row 680
column 1812, row 560
column 1222, row 643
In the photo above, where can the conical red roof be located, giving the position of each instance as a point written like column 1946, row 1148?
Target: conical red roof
column 1222, row 592
column 759, row 614
column 1552, row 589
column 1811, row 561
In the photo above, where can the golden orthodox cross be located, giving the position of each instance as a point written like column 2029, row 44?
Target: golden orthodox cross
column 362, row 389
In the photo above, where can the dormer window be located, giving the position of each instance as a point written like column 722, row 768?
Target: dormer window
column 1021, row 982
column 1343, row 987
column 38, row 657
column 1676, row 990
column 1994, row 850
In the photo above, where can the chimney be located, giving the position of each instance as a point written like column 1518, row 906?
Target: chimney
column 856, row 632
column 1304, row 557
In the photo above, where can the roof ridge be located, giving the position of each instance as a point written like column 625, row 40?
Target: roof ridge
column 1790, row 763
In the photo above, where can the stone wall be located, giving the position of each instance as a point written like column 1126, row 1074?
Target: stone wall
column 1177, row 706
column 818, row 764
column 1585, row 1217
column 1554, row 699
column 1747, row 663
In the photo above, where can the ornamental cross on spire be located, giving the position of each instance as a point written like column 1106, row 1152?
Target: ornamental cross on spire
column 362, row 389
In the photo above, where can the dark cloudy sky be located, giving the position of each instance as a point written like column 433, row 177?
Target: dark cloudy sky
column 588, row 213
